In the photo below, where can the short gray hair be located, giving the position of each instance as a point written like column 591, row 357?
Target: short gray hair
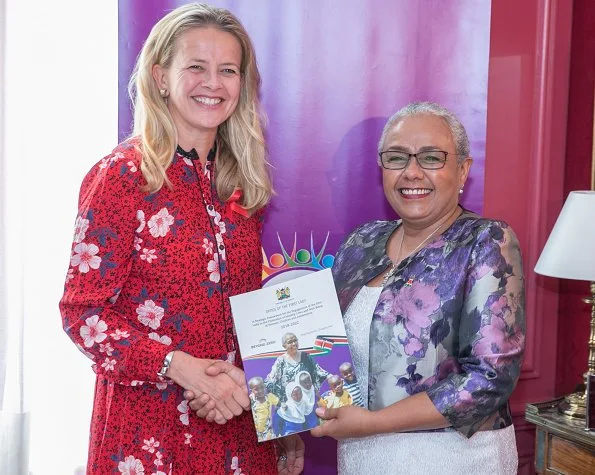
column 457, row 129
column 286, row 336
column 254, row 380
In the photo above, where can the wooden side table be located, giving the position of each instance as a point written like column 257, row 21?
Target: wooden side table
column 562, row 446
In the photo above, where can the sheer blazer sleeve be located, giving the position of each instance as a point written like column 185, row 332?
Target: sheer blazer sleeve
column 491, row 333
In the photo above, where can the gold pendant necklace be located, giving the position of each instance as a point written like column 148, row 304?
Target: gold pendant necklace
column 392, row 268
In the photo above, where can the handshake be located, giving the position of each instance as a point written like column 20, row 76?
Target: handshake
column 215, row 390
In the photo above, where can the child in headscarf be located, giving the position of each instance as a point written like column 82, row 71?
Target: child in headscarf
column 291, row 414
column 304, row 379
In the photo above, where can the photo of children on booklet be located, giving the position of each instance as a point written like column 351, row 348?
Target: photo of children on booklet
column 284, row 402
column 295, row 354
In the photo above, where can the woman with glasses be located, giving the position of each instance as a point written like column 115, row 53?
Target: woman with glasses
column 434, row 309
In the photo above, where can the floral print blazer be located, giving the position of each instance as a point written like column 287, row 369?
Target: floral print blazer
column 450, row 321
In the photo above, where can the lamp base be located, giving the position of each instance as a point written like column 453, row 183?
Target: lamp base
column 574, row 405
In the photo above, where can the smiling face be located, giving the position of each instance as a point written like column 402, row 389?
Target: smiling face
column 423, row 197
column 336, row 385
column 257, row 389
column 347, row 373
column 296, row 394
column 290, row 343
column 203, row 81
column 306, row 381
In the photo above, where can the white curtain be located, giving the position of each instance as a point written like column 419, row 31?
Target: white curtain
column 14, row 418
column 58, row 116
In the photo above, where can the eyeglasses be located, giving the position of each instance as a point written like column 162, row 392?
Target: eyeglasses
column 291, row 341
column 428, row 160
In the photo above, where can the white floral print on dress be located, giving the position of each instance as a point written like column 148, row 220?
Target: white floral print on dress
column 208, row 246
column 137, row 243
column 148, row 255
column 84, row 257
column 132, row 166
column 94, row 331
column 150, row 445
column 140, row 215
column 183, row 408
column 213, row 268
column 161, row 339
column 235, row 466
column 150, row 314
column 159, row 223
column 119, row 334
column 107, row 161
column 219, row 222
column 220, row 245
column 131, row 466
column 107, row 348
column 108, row 364
column 80, row 228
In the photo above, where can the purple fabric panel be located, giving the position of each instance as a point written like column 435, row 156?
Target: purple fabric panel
column 333, row 72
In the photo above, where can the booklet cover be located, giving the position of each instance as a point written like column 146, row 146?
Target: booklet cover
column 295, row 353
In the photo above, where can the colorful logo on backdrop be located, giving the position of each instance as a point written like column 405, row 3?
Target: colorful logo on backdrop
column 282, row 265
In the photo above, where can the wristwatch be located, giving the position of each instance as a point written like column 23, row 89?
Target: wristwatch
column 166, row 364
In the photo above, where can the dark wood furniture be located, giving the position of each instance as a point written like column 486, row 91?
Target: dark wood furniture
column 562, row 446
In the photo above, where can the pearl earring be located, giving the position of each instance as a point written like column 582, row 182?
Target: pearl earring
column 461, row 191
column 163, row 92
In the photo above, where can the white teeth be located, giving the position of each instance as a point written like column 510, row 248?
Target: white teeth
column 416, row 191
column 209, row 101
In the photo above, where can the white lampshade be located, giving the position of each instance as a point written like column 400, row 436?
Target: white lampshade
column 569, row 252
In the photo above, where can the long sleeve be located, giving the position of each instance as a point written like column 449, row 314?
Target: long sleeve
column 491, row 333
column 273, row 379
column 100, row 265
column 321, row 374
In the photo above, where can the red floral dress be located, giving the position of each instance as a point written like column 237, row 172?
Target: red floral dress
column 150, row 273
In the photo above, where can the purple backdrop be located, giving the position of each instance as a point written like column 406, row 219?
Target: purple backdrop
column 333, row 72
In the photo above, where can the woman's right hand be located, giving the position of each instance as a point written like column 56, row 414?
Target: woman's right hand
column 225, row 384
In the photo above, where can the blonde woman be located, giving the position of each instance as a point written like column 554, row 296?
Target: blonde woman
column 168, row 228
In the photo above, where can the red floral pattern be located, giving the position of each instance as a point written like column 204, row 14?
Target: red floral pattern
column 149, row 274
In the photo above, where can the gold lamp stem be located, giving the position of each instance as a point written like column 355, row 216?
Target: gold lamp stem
column 575, row 404
column 591, row 300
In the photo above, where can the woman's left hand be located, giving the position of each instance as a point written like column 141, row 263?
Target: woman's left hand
column 344, row 422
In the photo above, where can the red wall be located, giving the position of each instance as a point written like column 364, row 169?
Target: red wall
column 530, row 58
column 573, row 324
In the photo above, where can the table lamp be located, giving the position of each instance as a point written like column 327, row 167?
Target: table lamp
column 569, row 253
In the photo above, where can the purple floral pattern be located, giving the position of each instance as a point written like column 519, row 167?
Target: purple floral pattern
column 450, row 321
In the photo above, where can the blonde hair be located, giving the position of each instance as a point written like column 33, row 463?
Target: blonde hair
column 241, row 161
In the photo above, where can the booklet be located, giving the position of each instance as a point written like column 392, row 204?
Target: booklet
column 295, row 353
